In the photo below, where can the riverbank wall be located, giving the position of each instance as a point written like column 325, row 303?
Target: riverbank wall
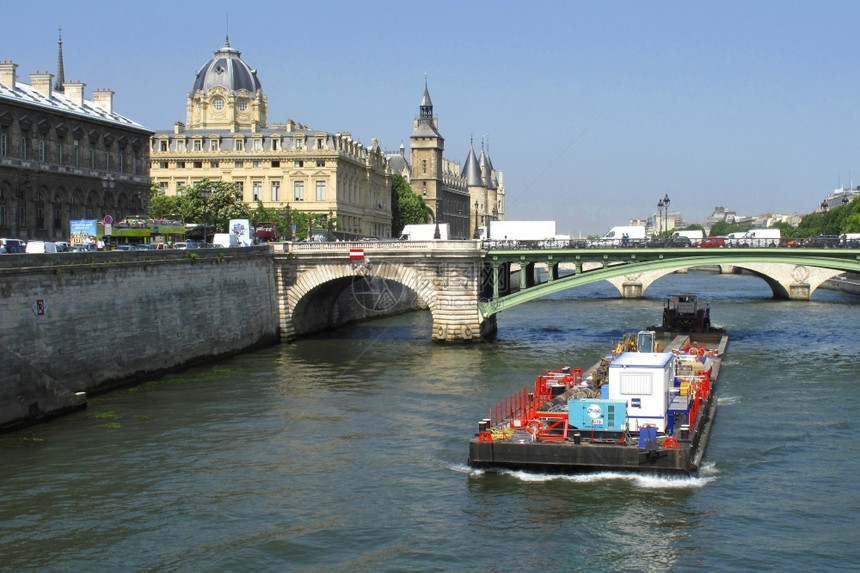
column 73, row 324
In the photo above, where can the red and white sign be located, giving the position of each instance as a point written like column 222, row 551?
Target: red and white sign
column 356, row 254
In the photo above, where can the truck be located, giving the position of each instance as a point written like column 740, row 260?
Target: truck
column 621, row 236
column 762, row 238
column 521, row 230
column 241, row 228
column 695, row 235
column 225, row 240
column 424, row 232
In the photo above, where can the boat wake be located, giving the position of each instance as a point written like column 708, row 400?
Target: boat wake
column 707, row 474
column 728, row 400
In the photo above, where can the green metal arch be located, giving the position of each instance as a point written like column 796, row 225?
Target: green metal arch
column 842, row 263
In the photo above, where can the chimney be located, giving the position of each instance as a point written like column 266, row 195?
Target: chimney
column 104, row 99
column 75, row 92
column 41, row 82
column 7, row 73
column 178, row 127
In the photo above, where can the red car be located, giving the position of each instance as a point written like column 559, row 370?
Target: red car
column 712, row 242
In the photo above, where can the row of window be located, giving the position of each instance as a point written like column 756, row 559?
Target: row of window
column 60, row 157
column 274, row 190
column 238, row 145
column 236, row 164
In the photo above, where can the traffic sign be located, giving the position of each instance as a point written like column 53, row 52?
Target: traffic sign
column 108, row 220
column 356, row 254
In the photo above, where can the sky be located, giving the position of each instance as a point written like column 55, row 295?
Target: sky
column 593, row 110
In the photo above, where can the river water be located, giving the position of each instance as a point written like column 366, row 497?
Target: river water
column 347, row 452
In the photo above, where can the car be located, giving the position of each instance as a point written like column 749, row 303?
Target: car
column 145, row 247
column 712, row 242
column 124, row 248
column 84, row 248
column 669, row 242
column 41, row 247
column 12, row 246
column 823, row 241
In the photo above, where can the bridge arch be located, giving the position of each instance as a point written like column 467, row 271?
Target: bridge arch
column 320, row 287
column 786, row 280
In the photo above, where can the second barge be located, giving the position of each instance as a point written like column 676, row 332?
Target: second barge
column 648, row 406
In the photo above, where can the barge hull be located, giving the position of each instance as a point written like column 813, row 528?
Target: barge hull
column 567, row 458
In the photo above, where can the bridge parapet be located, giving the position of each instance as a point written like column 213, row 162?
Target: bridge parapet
column 320, row 285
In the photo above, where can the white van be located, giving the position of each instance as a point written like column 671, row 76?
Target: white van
column 622, row 236
column 225, row 240
column 34, row 247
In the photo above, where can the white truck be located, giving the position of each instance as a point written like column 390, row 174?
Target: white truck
column 225, row 240
column 695, row 235
column 754, row 238
column 503, row 232
column 424, row 232
column 621, row 236
column 762, row 238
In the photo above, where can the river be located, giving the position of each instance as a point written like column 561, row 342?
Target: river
column 347, row 452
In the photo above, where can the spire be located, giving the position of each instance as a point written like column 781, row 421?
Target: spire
column 426, row 104
column 61, row 73
column 471, row 170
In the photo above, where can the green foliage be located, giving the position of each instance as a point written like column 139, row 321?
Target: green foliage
column 407, row 207
column 213, row 203
column 786, row 230
column 694, row 227
column 836, row 221
column 161, row 204
column 721, row 229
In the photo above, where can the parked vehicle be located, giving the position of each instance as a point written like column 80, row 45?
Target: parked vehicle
column 679, row 241
column 225, row 240
column 823, row 241
column 761, row 238
column 621, row 236
column 695, row 235
column 712, row 242
column 522, row 230
column 735, row 239
column 12, row 246
column 424, row 232
column 39, row 247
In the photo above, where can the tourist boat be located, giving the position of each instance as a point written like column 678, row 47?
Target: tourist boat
column 647, row 406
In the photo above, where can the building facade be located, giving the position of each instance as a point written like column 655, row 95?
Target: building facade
column 226, row 137
column 63, row 157
column 465, row 198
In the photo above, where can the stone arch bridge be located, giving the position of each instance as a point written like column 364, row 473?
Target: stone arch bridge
column 322, row 285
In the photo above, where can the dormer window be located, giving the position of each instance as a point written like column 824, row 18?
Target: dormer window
column 242, row 104
column 218, row 103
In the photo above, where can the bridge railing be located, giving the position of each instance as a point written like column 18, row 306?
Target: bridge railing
column 341, row 246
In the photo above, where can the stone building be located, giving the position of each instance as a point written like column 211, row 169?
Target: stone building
column 64, row 157
column 282, row 166
column 464, row 198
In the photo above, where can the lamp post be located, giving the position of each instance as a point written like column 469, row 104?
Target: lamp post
column 289, row 223
column 660, row 216
column 477, row 234
column 108, row 184
column 666, row 206
column 330, row 223
column 204, row 194
column 436, row 234
column 823, row 205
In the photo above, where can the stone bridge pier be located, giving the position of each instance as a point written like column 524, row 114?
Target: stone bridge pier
column 323, row 285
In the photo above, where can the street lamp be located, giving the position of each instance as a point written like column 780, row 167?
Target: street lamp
column 204, row 194
column 289, row 222
column 660, row 217
column 436, row 234
column 477, row 234
column 330, row 223
column 666, row 206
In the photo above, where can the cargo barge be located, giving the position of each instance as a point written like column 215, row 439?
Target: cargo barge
column 647, row 406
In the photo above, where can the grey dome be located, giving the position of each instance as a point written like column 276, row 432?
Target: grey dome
column 228, row 70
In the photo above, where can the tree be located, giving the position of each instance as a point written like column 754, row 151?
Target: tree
column 213, row 203
column 161, row 204
column 786, row 230
column 721, row 229
column 407, row 207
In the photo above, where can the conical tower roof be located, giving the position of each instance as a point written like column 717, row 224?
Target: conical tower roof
column 471, row 170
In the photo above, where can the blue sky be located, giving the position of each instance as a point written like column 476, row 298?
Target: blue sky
column 593, row 110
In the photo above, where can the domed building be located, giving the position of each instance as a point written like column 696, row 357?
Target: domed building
column 286, row 166
column 226, row 94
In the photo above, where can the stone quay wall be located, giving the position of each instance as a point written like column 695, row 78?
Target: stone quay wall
column 74, row 323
